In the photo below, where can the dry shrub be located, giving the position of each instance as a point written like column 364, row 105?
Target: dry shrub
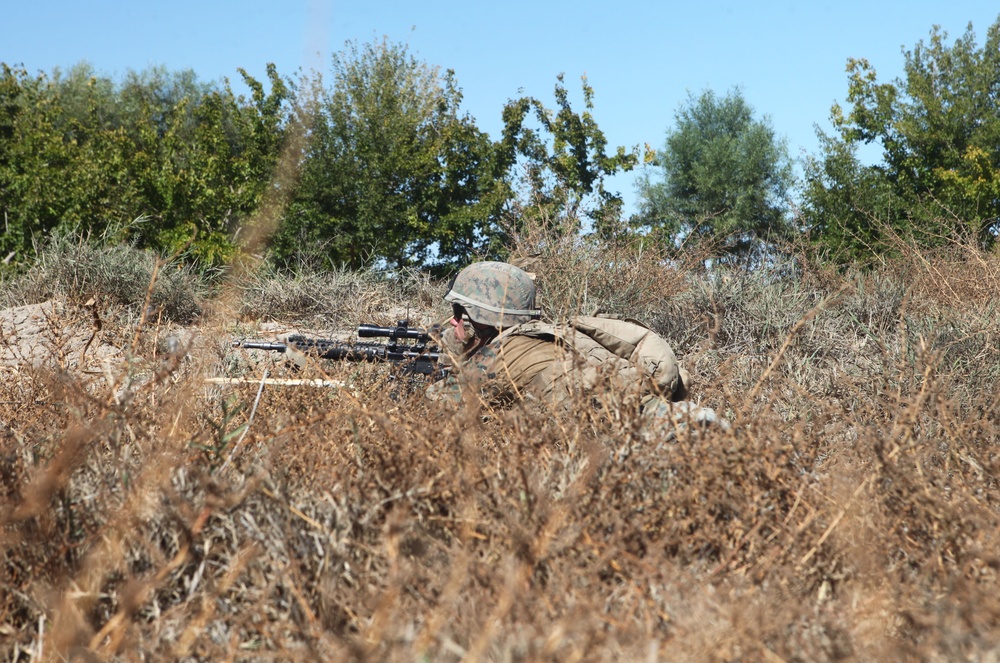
column 585, row 276
column 957, row 271
column 335, row 298
column 117, row 275
column 852, row 514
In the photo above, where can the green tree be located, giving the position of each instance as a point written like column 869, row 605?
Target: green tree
column 938, row 129
column 846, row 201
column 201, row 160
column 725, row 178
column 564, row 159
column 47, row 155
column 393, row 170
column 80, row 153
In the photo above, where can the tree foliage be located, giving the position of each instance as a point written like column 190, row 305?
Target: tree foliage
column 725, row 177
column 565, row 159
column 381, row 165
column 938, row 129
column 81, row 153
column 393, row 170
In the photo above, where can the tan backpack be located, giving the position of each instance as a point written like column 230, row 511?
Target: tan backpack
column 630, row 340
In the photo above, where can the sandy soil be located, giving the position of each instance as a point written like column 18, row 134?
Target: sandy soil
column 54, row 332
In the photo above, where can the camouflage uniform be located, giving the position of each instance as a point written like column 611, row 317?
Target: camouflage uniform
column 561, row 365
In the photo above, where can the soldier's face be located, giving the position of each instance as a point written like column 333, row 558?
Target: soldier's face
column 459, row 338
column 468, row 333
column 457, row 322
column 459, row 329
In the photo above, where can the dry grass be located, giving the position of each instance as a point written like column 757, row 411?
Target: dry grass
column 336, row 298
column 853, row 513
column 74, row 269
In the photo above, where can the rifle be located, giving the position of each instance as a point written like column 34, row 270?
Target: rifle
column 419, row 356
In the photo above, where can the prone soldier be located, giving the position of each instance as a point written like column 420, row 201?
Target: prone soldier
column 505, row 352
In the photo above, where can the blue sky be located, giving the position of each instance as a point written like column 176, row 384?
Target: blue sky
column 641, row 58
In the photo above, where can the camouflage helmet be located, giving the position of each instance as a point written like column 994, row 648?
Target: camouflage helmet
column 495, row 294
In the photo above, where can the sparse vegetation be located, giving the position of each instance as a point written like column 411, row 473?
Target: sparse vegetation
column 852, row 514
column 336, row 297
column 119, row 275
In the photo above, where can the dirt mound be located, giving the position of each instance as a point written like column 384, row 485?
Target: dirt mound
column 54, row 332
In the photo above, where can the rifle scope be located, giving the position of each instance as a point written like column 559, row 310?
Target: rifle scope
column 400, row 331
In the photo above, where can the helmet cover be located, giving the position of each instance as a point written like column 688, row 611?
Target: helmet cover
column 495, row 293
